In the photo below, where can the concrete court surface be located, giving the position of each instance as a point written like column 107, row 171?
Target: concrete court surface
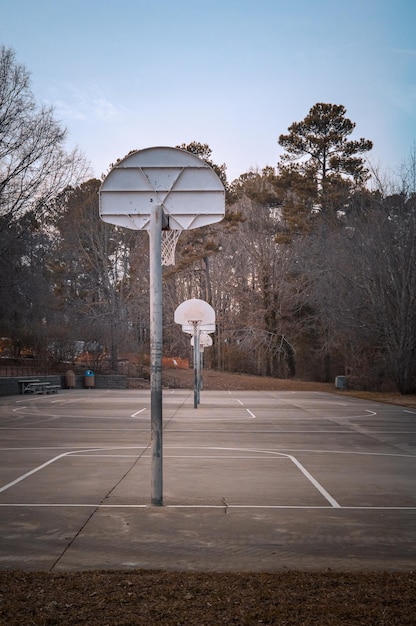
column 252, row 481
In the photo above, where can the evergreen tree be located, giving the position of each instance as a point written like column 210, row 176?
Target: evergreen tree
column 319, row 148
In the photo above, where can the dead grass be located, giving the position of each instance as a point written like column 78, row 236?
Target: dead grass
column 379, row 396
column 128, row 598
column 214, row 380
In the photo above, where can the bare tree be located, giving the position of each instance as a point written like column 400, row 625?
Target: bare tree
column 384, row 274
column 95, row 272
column 34, row 166
column 363, row 289
column 258, row 299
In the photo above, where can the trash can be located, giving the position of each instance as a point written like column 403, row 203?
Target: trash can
column 70, row 379
column 89, row 379
column 341, row 382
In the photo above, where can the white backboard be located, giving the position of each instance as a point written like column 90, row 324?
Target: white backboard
column 205, row 341
column 189, row 191
column 194, row 311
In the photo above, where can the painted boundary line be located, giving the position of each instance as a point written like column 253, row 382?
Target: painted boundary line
column 297, row 463
column 260, row 454
column 57, row 458
column 206, row 506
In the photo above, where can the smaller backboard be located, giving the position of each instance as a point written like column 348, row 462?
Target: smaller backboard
column 194, row 311
column 205, row 341
column 188, row 189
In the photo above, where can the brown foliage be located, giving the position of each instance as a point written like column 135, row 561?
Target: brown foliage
column 100, row 598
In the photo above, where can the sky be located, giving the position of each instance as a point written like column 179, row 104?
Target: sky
column 234, row 74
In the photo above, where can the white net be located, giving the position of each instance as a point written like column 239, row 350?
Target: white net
column 169, row 241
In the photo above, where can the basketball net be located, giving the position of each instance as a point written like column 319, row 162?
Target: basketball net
column 169, row 241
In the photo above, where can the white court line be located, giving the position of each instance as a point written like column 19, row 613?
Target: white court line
column 259, row 452
column 248, row 410
column 299, row 465
column 315, row 483
column 138, row 412
column 206, row 506
column 57, row 458
column 349, row 452
column 177, row 419
column 36, row 469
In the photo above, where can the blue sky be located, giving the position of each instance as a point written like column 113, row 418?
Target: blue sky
column 234, row 74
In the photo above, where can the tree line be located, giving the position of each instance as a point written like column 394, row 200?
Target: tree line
column 311, row 273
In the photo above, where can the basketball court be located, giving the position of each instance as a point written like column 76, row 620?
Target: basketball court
column 252, row 481
column 239, row 481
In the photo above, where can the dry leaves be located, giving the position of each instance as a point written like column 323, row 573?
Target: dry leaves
column 98, row 598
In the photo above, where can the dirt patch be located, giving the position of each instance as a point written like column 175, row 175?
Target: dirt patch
column 129, row 598
column 226, row 381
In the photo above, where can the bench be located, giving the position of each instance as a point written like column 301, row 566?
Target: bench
column 37, row 387
column 23, row 384
column 53, row 388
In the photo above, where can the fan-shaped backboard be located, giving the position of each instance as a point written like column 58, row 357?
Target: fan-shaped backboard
column 194, row 311
column 187, row 188
column 205, row 341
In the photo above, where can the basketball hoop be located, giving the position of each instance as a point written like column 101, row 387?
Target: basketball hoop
column 168, row 245
column 142, row 189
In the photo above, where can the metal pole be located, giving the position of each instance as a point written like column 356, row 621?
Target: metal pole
column 156, row 343
column 198, row 360
column 196, row 382
column 201, row 368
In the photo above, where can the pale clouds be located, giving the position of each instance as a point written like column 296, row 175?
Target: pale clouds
column 87, row 105
column 410, row 52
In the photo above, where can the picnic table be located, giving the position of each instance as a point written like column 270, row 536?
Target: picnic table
column 23, row 384
column 36, row 386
